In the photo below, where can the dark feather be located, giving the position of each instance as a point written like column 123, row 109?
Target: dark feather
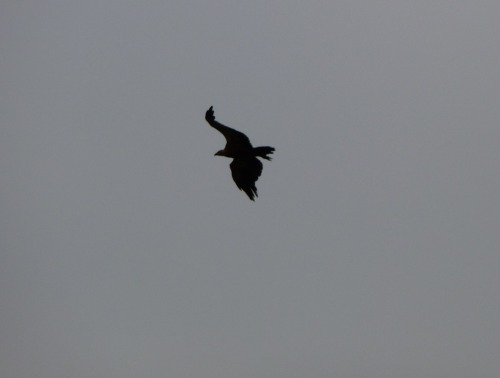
column 245, row 173
column 245, row 167
column 235, row 139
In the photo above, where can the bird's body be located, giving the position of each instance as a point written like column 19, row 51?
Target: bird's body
column 245, row 167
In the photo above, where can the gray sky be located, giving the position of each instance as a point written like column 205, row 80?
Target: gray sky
column 128, row 251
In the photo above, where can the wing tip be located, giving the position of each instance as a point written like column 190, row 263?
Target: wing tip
column 209, row 114
column 251, row 193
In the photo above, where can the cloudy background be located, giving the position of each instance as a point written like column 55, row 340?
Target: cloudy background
column 127, row 250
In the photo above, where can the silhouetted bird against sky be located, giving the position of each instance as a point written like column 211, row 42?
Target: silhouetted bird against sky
column 245, row 167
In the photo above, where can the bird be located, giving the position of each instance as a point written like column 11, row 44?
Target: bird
column 245, row 167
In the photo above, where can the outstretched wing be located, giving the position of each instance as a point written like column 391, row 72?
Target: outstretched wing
column 233, row 137
column 245, row 173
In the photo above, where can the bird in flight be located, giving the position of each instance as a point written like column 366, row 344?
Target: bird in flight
column 245, row 167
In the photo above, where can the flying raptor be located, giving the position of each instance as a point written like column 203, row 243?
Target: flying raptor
column 245, row 167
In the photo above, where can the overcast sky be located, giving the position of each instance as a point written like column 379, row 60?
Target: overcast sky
column 128, row 251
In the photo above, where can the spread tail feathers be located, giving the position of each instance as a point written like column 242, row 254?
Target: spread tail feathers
column 263, row 152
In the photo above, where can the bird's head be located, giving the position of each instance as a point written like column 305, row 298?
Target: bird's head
column 220, row 153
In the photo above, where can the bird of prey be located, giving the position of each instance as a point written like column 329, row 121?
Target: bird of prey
column 245, row 167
